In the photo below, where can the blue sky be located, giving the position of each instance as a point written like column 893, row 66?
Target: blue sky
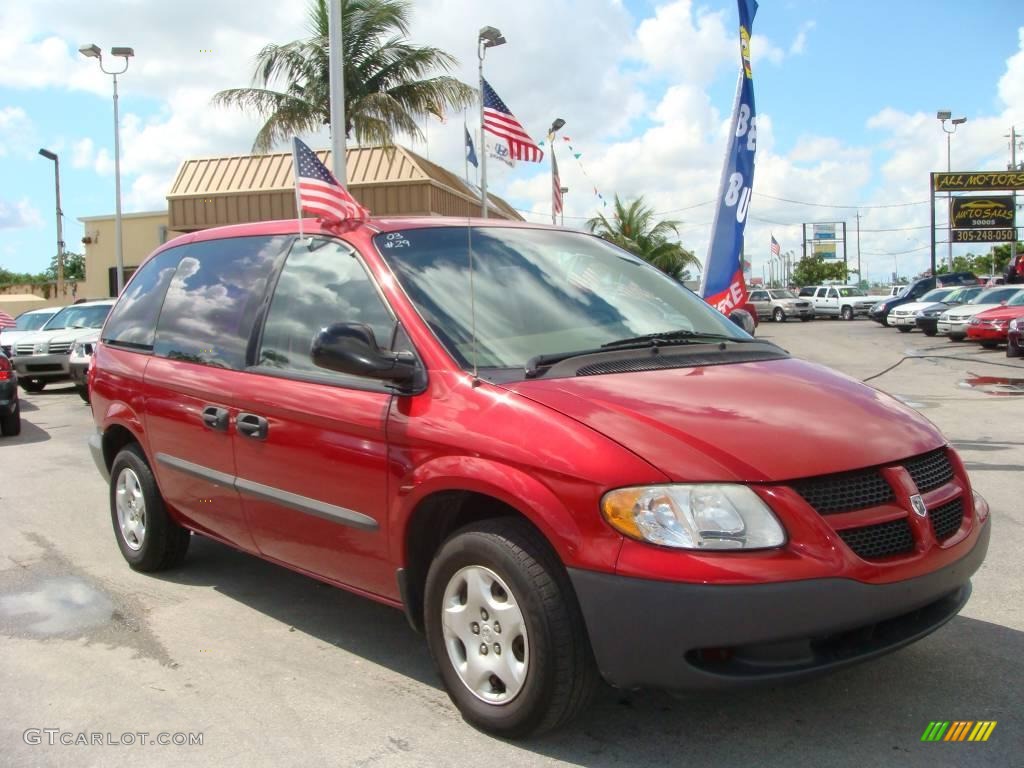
column 847, row 94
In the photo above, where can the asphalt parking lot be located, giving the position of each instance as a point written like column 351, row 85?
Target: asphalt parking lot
column 273, row 668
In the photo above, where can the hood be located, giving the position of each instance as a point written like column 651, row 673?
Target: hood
column 916, row 306
column 1002, row 313
column 757, row 422
column 969, row 310
column 60, row 335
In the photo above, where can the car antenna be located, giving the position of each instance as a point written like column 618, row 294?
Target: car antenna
column 472, row 299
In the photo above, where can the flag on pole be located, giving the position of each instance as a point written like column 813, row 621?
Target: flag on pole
column 556, row 187
column 722, row 283
column 6, row 321
column 318, row 192
column 499, row 121
column 776, row 250
column 470, row 150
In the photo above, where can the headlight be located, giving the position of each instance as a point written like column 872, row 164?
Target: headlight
column 974, row 321
column 704, row 516
column 981, row 507
column 76, row 348
column 1014, row 325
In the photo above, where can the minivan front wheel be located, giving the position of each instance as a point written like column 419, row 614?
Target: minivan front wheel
column 146, row 535
column 505, row 631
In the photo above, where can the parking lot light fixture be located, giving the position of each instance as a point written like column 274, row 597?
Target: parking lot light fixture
column 943, row 116
column 60, row 235
column 92, row 51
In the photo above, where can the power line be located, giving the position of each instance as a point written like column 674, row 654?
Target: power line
column 836, row 205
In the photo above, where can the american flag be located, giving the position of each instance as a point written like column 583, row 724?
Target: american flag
column 556, row 188
column 6, row 321
column 317, row 190
column 775, row 247
column 499, row 120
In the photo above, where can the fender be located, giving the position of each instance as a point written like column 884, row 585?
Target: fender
column 120, row 414
column 520, row 491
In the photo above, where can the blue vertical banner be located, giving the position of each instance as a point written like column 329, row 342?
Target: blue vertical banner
column 722, row 283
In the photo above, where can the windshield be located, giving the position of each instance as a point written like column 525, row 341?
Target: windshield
column 782, row 294
column 1016, row 301
column 844, row 292
column 32, row 321
column 962, row 295
column 537, row 292
column 937, row 295
column 995, row 295
column 79, row 316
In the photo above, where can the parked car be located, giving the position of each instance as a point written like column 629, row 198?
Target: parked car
column 78, row 362
column 990, row 327
column 834, row 301
column 24, row 325
column 1014, row 342
column 880, row 311
column 779, row 305
column 557, row 474
column 10, row 409
column 992, row 282
column 953, row 322
column 904, row 316
column 41, row 358
column 927, row 318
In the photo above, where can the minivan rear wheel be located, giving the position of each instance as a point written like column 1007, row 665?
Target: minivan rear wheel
column 146, row 535
column 505, row 631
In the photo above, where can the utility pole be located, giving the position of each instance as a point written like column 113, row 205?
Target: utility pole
column 860, row 275
column 336, row 89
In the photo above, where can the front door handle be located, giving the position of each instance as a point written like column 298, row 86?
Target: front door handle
column 251, row 425
column 216, row 418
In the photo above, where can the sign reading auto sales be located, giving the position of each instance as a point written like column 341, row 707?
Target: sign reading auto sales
column 988, row 212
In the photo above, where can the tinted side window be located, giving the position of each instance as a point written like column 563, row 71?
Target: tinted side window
column 806, row 291
column 833, row 294
column 759, row 296
column 132, row 321
column 214, row 297
column 319, row 287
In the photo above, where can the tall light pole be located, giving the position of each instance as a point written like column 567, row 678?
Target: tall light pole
column 489, row 37
column 556, row 185
column 943, row 116
column 92, row 51
column 336, row 87
column 60, row 229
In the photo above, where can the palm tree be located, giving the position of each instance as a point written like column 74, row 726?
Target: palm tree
column 389, row 83
column 634, row 228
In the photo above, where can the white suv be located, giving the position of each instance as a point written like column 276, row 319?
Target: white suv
column 42, row 357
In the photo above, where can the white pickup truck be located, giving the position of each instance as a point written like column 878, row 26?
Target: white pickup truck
column 845, row 301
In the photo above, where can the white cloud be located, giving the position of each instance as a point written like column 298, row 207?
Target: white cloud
column 799, row 43
column 19, row 215
column 83, row 153
column 15, row 131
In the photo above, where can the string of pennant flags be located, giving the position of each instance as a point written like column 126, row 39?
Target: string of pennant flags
column 579, row 161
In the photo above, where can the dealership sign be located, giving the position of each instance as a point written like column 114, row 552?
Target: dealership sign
column 978, row 181
column 987, row 212
column 983, row 235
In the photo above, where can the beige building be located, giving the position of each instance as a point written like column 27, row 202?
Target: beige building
column 219, row 191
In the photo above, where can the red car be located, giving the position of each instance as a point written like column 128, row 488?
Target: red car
column 991, row 326
column 557, row 461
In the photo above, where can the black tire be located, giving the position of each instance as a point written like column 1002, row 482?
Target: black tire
column 956, row 338
column 885, row 321
column 928, row 332
column 846, row 313
column 904, row 328
column 83, row 392
column 990, row 344
column 10, row 423
column 561, row 675
column 778, row 315
column 164, row 542
column 806, row 319
column 32, row 385
column 1012, row 351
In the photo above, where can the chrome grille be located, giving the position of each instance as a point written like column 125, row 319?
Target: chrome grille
column 23, row 349
column 60, row 347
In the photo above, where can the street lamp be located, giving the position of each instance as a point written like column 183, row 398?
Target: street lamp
column 489, row 37
column 92, row 51
column 556, row 126
column 943, row 116
column 60, row 236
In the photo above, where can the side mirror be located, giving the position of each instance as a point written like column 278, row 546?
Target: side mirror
column 352, row 348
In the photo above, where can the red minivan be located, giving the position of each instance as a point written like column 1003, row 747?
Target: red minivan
column 560, row 463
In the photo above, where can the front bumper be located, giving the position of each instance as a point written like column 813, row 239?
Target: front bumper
column 96, row 449
column 43, row 367
column 79, row 372
column 902, row 320
column 685, row 636
column 947, row 328
column 879, row 316
column 986, row 333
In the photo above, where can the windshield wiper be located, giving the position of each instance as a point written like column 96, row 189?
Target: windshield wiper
column 675, row 337
column 535, row 363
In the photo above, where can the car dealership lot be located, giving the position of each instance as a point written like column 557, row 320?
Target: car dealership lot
column 274, row 668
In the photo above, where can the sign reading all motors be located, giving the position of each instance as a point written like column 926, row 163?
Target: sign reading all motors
column 989, row 212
